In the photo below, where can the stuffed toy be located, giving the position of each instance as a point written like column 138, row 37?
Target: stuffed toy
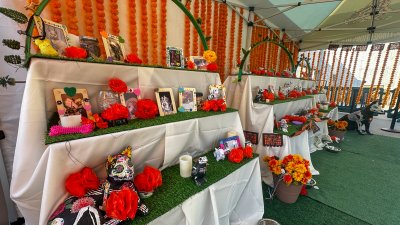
column 45, row 47
column 362, row 117
column 114, row 200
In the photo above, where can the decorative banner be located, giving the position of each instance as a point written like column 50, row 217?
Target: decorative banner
column 251, row 136
column 333, row 47
column 314, row 127
column 273, row 140
column 347, row 47
column 394, row 46
column 361, row 48
column 378, row 47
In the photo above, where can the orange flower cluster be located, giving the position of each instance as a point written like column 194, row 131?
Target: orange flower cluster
column 222, row 39
column 338, row 125
column 101, row 22
column 87, row 12
column 186, row 50
column 331, row 74
column 295, row 169
column 114, row 17
column 338, row 95
column 396, row 60
column 239, row 40
column 203, row 11
column 55, row 11
column 215, row 37
column 349, row 88
column 195, row 44
column 231, row 60
column 154, row 36
column 145, row 44
column 72, row 20
column 132, row 26
column 164, row 32
column 363, row 80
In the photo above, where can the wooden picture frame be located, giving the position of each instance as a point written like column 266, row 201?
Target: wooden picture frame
column 114, row 47
column 91, row 45
column 165, row 101
column 129, row 99
column 217, row 91
column 175, row 57
column 72, row 101
column 187, row 99
column 230, row 143
column 57, row 33
column 199, row 61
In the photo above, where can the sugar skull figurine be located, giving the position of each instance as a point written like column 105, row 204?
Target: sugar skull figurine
column 199, row 171
column 94, row 206
column 219, row 154
column 284, row 125
column 259, row 95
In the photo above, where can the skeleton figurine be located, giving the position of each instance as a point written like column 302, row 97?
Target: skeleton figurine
column 284, row 125
column 259, row 96
column 199, row 171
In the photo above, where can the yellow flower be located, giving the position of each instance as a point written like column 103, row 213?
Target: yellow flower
column 298, row 176
column 210, row 56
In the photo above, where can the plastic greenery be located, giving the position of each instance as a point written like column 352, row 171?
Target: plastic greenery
column 7, row 80
column 13, row 44
column 13, row 59
column 14, row 15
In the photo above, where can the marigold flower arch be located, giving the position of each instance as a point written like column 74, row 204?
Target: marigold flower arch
column 43, row 4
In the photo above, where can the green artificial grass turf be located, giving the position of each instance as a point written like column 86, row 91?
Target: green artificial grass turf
column 175, row 189
column 292, row 129
column 275, row 102
column 137, row 124
column 362, row 180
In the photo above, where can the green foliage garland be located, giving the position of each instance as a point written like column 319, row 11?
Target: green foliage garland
column 13, row 44
column 14, row 15
column 13, row 59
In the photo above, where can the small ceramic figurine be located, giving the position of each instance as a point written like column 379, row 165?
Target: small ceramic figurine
column 199, row 171
column 219, row 154
column 284, row 125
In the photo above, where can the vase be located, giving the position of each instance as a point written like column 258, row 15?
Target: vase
column 287, row 193
column 337, row 133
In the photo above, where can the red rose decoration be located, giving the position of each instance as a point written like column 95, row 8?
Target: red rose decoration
column 122, row 205
column 78, row 184
column 191, row 65
column 146, row 109
column 75, row 52
column 236, row 155
column 213, row 67
column 117, row 85
column 248, row 152
column 133, row 58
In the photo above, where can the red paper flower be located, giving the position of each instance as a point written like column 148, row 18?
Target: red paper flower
column 133, row 58
column 248, row 152
column 85, row 120
column 146, row 109
column 236, row 155
column 332, row 105
column 214, row 105
column 308, row 91
column 142, row 183
column 115, row 112
column 191, row 65
column 78, row 184
column 281, row 96
column 315, row 92
column 304, row 191
column 270, row 73
column 117, row 85
column 148, row 180
column 122, row 205
column 213, row 67
column 75, row 52
column 278, row 74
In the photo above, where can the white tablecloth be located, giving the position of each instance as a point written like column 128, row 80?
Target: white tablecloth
column 39, row 171
column 236, row 199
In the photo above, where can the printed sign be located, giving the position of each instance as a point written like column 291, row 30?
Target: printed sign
column 251, row 136
column 273, row 140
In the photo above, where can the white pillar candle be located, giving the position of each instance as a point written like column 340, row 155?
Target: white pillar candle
column 231, row 134
column 185, row 164
column 70, row 121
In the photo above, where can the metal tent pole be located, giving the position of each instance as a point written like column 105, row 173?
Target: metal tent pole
column 394, row 118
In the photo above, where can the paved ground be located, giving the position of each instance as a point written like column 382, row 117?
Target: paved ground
column 379, row 122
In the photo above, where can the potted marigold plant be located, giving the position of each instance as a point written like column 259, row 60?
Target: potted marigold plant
column 290, row 174
column 337, row 128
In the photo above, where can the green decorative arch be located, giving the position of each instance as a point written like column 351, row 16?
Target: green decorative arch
column 43, row 4
column 307, row 64
column 265, row 40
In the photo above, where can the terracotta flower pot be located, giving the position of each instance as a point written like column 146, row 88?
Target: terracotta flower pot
column 337, row 133
column 288, row 193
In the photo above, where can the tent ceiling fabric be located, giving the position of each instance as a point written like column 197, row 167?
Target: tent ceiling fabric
column 320, row 22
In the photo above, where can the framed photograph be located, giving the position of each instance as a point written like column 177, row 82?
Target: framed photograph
column 251, row 136
column 129, row 99
column 187, row 99
column 273, row 140
column 72, row 101
column 55, row 32
column 175, row 57
column 114, row 48
column 91, row 45
column 217, row 91
column 229, row 143
column 165, row 101
column 199, row 61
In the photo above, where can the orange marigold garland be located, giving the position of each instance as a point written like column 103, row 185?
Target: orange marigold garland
column 101, row 22
column 396, row 60
column 164, row 31
column 186, row 50
column 323, row 82
column 154, row 37
column 317, row 77
column 203, row 22
column 55, row 11
column 374, row 76
column 144, row 35
column 308, row 58
column 114, row 17
column 231, row 60
column 342, row 98
column 195, row 44
column 239, row 40
column 72, row 20
column 222, row 40
column 208, row 18
column 360, row 91
column 339, row 90
column 350, row 88
column 382, row 72
column 333, row 93
column 331, row 75
column 214, row 39
column 132, row 26
column 88, row 13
